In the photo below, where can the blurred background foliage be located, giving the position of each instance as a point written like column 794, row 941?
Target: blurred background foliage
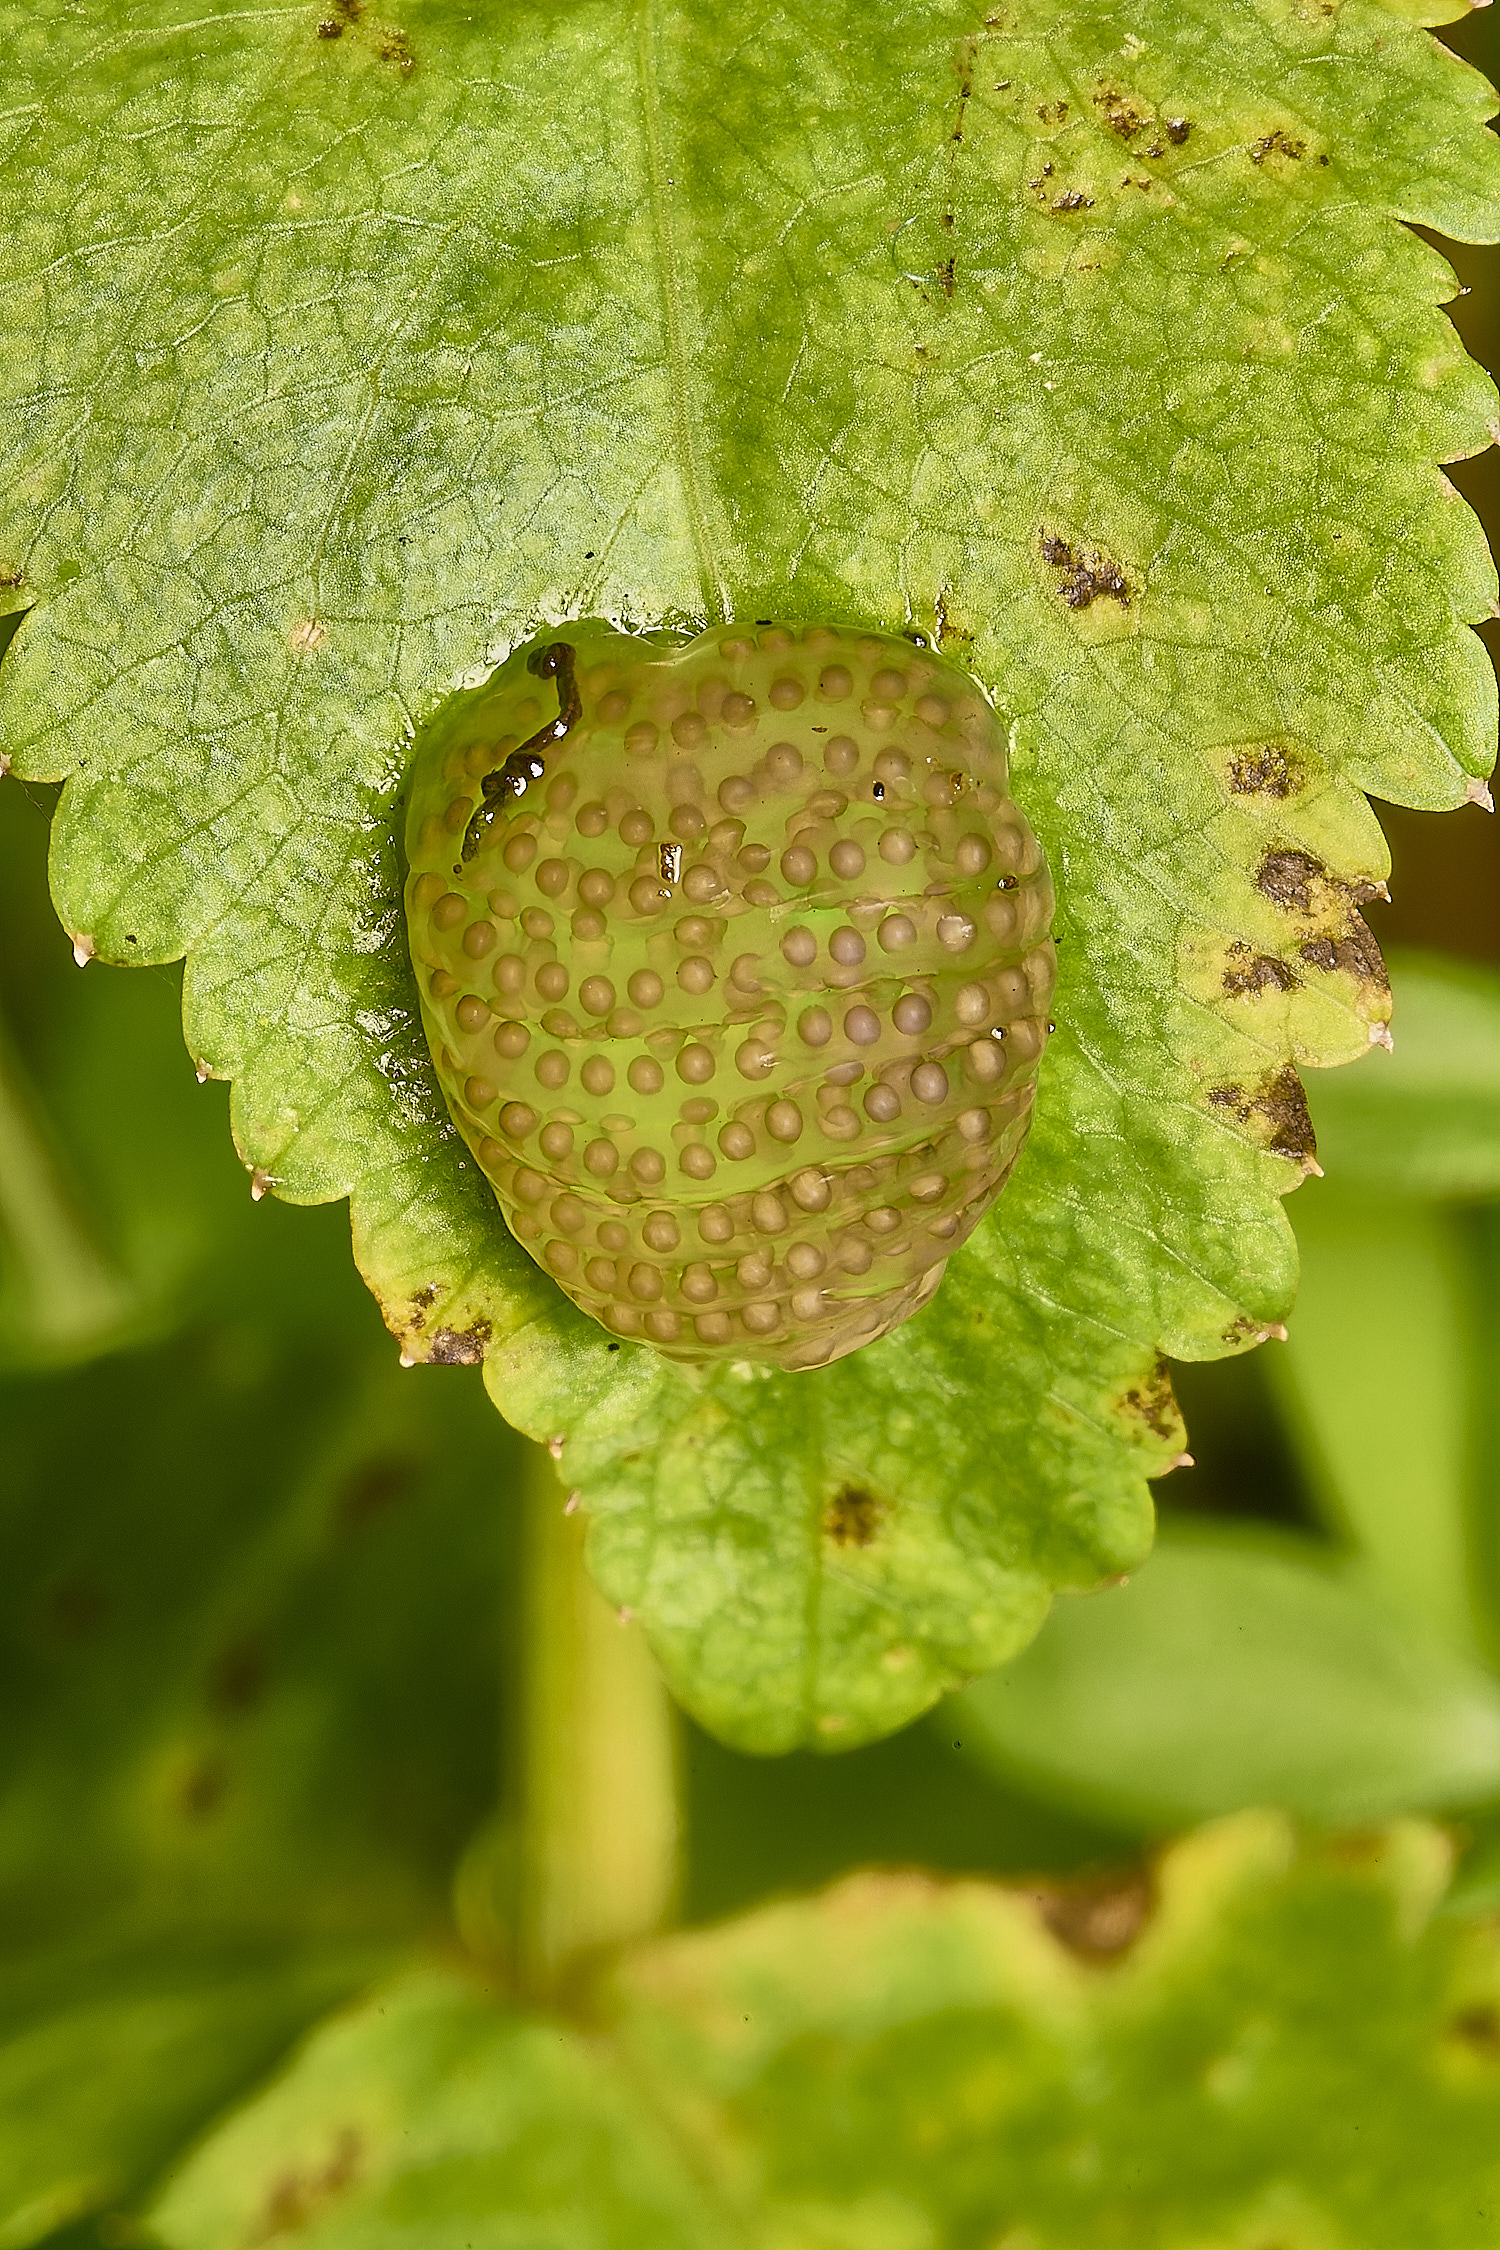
column 257, row 1587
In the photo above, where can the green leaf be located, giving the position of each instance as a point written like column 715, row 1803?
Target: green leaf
column 113, row 2056
column 1286, row 2055
column 429, row 2115
column 346, row 354
column 1383, row 1363
column 1291, row 2051
column 1425, row 1119
column 252, row 1584
column 1233, row 1671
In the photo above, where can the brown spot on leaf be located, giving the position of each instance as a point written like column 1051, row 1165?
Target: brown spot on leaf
column 1154, row 1403
column 1288, row 878
column 1248, row 974
column 237, row 1679
column 74, row 1608
column 296, row 2197
column 1264, row 771
column 395, row 47
column 1479, row 2027
column 1353, row 952
column 1277, row 1109
column 1052, row 113
column 422, row 1304
column 459, row 1347
column 1303, row 884
column 1120, row 113
column 1300, row 884
column 1087, row 577
column 203, row 1789
column 1177, row 129
column 1073, row 200
column 852, row 1517
column 1098, row 1918
column 371, row 1487
column 1277, row 143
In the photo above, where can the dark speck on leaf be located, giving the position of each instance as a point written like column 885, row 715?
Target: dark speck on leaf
column 1120, row 113
column 1176, row 129
column 1479, row 2026
column 1247, row 974
column 371, row 1487
column 1100, row 1918
column 1087, row 577
column 1279, row 1108
column 328, row 29
column 1264, row 771
column 1153, row 1403
column 459, row 1347
column 612, row 1347
column 238, row 1678
column 853, row 1517
column 1353, row 951
column 1277, row 144
column 1287, row 879
column 75, row 1608
column 204, row 1788
column 296, row 2198
column 1074, row 200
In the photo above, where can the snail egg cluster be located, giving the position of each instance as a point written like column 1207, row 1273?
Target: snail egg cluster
column 734, row 963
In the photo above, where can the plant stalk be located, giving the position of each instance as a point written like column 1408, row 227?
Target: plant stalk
column 598, row 1836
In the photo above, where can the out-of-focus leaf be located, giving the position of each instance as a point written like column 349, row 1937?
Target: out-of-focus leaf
column 1086, row 337
column 1377, row 1386
column 119, row 1215
column 251, row 1584
column 1233, row 1671
column 60, row 1298
column 1292, row 2052
column 249, row 1600
column 113, row 2055
column 1425, row 1119
column 431, row 2118
column 1290, row 2055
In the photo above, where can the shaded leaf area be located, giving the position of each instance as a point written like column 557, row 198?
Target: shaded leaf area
column 1088, row 342
column 1237, row 1671
column 1276, row 2042
column 1386, row 1381
column 251, row 1583
column 1423, row 1121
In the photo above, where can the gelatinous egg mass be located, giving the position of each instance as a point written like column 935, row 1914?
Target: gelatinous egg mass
column 734, row 963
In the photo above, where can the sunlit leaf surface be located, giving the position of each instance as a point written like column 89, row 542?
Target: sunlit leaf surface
column 1280, row 2045
column 1087, row 340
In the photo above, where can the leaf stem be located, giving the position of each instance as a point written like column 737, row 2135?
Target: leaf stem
column 597, row 1846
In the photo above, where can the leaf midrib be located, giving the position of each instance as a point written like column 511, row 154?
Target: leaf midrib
column 671, row 291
